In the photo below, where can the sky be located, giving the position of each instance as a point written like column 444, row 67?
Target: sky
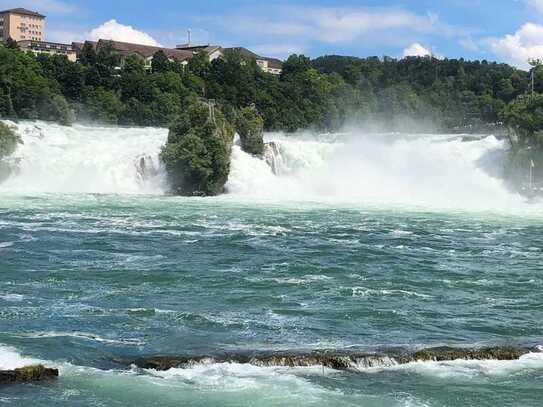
column 496, row 30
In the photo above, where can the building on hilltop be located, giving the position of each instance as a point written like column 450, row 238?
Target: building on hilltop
column 27, row 28
column 21, row 24
column 269, row 65
column 50, row 48
column 146, row 52
column 212, row 51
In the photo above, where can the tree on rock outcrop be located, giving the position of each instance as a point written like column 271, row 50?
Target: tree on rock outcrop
column 524, row 117
column 8, row 144
column 197, row 153
column 250, row 127
column 8, row 140
column 524, row 166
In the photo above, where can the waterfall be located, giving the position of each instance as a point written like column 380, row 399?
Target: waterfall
column 420, row 169
column 87, row 159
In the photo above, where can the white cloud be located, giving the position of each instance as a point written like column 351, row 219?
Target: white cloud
column 518, row 48
column 537, row 4
column 277, row 50
column 336, row 25
column 416, row 50
column 63, row 36
column 347, row 25
column 41, row 6
column 112, row 30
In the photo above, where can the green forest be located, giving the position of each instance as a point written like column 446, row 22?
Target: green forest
column 323, row 94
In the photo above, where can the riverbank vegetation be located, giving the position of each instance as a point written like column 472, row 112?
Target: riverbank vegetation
column 524, row 166
column 323, row 94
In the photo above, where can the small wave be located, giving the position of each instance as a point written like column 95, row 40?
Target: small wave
column 306, row 279
column 363, row 291
column 470, row 368
column 81, row 335
column 12, row 297
column 401, row 233
column 4, row 245
column 240, row 376
column 10, row 358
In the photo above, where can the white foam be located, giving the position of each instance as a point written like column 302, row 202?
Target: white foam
column 470, row 368
column 436, row 171
column 421, row 170
column 363, row 291
column 238, row 376
column 10, row 358
column 87, row 159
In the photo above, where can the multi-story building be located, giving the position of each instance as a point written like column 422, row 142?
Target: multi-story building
column 27, row 28
column 146, row 52
column 269, row 65
column 21, row 24
column 50, row 48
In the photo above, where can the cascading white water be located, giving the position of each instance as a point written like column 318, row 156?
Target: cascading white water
column 427, row 170
column 86, row 159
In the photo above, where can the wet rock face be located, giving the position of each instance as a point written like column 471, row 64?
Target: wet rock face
column 446, row 354
column 28, row 374
column 272, row 156
column 335, row 360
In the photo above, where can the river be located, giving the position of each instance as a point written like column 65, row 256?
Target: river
column 356, row 243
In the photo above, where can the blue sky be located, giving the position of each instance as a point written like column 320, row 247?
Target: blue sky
column 503, row 30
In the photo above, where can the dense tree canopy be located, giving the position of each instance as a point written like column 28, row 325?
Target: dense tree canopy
column 197, row 152
column 525, row 118
column 250, row 127
column 324, row 93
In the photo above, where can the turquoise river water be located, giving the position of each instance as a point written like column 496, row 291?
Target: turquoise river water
column 97, row 265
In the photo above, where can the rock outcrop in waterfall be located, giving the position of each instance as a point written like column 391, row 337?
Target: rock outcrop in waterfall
column 197, row 152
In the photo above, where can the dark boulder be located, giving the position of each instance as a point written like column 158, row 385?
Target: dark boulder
column 28, row 374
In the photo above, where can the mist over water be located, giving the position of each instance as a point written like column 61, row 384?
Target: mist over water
column 425, row 170
column 352, row 168
column 87, row 159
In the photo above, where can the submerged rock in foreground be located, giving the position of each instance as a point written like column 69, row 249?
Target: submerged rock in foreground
column 335, row 359
column 28, row 374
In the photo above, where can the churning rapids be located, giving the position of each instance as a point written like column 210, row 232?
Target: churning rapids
column 340, row 270
column 427, row 170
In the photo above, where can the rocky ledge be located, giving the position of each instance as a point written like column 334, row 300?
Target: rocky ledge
column 28, row 374
column 334, row 359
